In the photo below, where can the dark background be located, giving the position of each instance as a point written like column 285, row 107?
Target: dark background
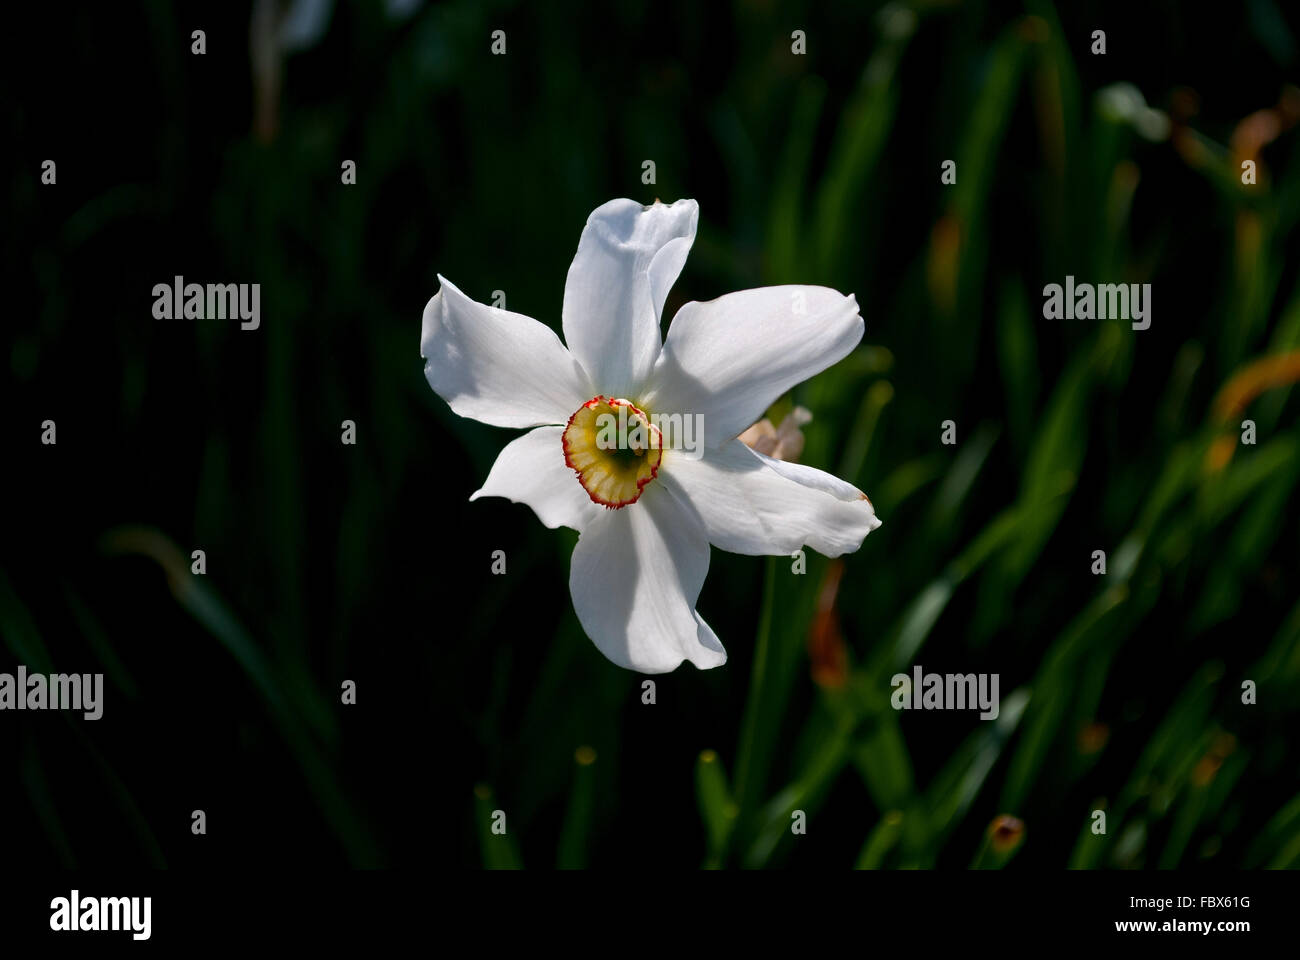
column 328, row 563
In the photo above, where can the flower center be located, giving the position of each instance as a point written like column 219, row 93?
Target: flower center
column 614, row 448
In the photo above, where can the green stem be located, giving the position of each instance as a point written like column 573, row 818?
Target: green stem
column 747, row 776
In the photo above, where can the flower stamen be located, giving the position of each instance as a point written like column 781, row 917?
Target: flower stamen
column 614, row 449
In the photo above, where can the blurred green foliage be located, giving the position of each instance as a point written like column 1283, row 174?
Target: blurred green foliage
column 1120, row 692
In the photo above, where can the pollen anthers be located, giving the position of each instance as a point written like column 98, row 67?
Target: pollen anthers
column 614, row 449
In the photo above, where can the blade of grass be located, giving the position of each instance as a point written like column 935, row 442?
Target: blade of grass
column 576, row 830
column 717, row 809
column 497, row 847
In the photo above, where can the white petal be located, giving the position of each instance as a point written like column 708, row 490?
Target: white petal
column 731, row 358
column 496, row 366
column 531, row 470
column 627, row 259
column 635, row 577
column 755, row 505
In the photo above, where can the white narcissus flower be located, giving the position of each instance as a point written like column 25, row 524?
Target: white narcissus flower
column 647, row 511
